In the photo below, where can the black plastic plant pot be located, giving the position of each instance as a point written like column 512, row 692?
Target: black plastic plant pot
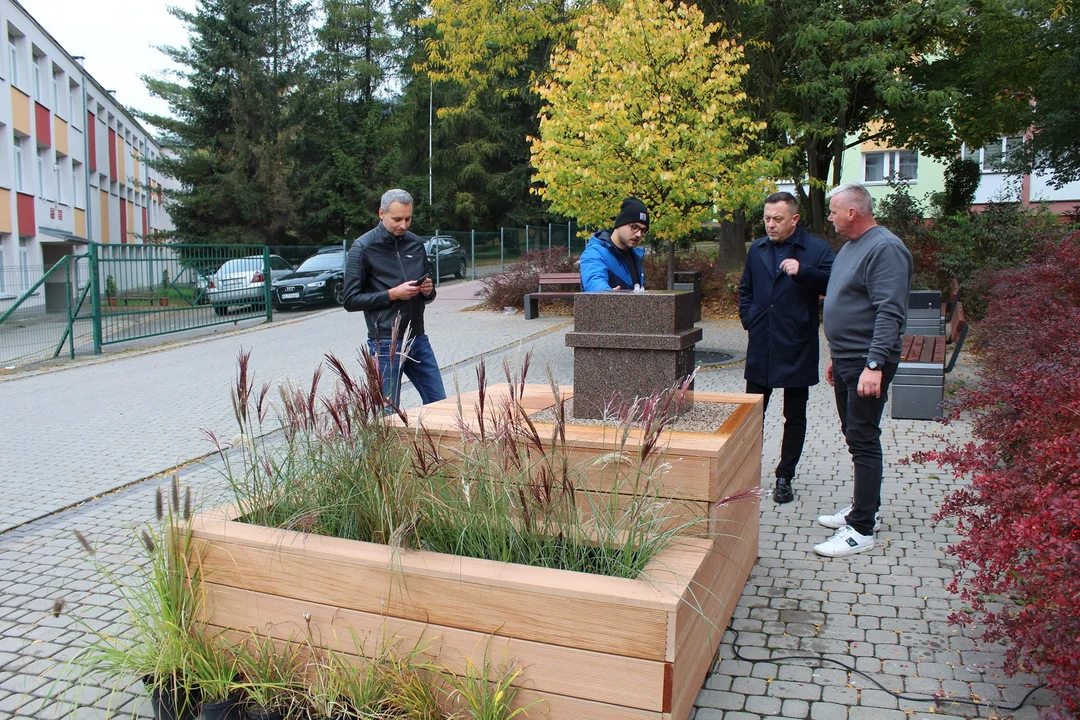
column 257, row 713
column 228, row 709
column 172, row 705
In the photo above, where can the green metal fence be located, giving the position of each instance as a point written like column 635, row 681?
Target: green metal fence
column 119, row 293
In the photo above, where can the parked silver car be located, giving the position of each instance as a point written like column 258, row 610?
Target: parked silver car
column 241, row 281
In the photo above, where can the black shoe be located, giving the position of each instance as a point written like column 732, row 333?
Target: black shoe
column 783, row 494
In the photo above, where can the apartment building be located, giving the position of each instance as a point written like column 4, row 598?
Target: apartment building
column 74, row 165
column 873, row 163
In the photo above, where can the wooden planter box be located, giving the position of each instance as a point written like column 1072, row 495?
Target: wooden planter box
column 589, row 647
column 705, row 468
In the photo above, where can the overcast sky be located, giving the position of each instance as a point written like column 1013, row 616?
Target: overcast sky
column 117, row 39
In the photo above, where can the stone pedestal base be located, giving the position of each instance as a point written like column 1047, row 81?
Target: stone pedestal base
column 629, row 345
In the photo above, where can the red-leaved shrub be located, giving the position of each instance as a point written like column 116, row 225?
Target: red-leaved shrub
column 1020, row 515
column 508, row 288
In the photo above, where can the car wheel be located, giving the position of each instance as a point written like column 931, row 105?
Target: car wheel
column 221, row 309
column 339, row 293
column 460, row 273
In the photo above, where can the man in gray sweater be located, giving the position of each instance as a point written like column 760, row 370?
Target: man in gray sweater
column 865, row 310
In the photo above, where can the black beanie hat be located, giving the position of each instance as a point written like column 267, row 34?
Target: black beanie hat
column 632, row 211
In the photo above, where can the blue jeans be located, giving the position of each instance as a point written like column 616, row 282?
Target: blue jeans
column 420, row 367
column 860, row 421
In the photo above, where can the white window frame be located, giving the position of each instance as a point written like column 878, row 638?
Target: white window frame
column 41, row 175
column 24, row 264
column 890, row 167
column 13, row 61
column 74, row 185
column 979, row 154
column 35, row 78
column 2, row 290
column 56, row 94
column 20, row 177
column 59, row 183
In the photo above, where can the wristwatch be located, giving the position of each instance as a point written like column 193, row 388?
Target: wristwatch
column 873, row 365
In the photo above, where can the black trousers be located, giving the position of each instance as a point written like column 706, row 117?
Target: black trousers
column 860, row 421
column 794, row 424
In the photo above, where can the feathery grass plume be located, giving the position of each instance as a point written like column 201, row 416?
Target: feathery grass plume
column 187, row 504
column 174, row 493
column 481, row 393
column 241, row 393
column 159, row 504
column 262, row 407
column 148, row 542
column 84, row 542
column 313, row 394
column 58, row 607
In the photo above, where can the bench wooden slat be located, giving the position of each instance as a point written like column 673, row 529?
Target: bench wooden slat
column 939, row 349
column 927, row 353
column 532, row 306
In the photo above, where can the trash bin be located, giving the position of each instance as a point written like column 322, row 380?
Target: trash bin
column 690, row 280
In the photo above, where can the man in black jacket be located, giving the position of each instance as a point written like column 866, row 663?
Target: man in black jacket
column 387, row 275
column 785, row 274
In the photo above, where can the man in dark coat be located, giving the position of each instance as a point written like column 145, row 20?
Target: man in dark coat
column 785, row 274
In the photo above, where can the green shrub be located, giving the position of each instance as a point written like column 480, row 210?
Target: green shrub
column 110, row 287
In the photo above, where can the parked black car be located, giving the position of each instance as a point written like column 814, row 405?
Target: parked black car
column 451, row 256
column 319, row 280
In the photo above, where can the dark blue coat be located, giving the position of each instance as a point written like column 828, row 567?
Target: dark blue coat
column 780, row 312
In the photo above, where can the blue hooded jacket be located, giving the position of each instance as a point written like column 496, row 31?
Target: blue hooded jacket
column 603, row 267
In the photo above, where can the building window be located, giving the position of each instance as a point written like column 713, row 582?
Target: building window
column 3, row 281
column 73, row 114
column 56, row 95
column 13, row 62
column 76, row 169
column 41, row 175
column 20, row 181
column 35, row 79
column 997, row 155
column 24, row 264
column 879, row 167
column 59, row 183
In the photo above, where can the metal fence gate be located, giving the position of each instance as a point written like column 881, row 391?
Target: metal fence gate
column 119, row 293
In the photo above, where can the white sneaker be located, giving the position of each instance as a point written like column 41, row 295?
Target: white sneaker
column 839, row 520
column 846, row 541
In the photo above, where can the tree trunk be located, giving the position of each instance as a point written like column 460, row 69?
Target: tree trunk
column 671, row 266
column 731, row 250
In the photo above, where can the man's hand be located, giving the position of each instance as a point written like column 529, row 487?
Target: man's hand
column 790, row 266
column 828, row 373
column 427, row 287
column 407, row 290
column 870, row 383
column 617, row 287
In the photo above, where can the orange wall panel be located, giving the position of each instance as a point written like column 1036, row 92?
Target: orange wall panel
column 60, row 136
column 5, row 211
column 130, row 222
column 105, row 216
column 80, row 223
column 20, row 112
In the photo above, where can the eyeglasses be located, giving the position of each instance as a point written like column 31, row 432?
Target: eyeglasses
column 638, row 229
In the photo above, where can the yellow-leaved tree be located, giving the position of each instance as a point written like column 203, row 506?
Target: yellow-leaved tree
column 647, row 104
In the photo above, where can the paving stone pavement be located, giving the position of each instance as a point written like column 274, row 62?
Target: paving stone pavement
column 883, row 613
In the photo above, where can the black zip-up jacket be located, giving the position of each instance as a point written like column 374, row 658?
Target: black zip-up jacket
column 378, row 261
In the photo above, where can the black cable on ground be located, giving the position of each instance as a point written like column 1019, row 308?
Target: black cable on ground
column 898, row 696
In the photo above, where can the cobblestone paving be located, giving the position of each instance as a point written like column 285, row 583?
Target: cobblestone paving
column 883, row 613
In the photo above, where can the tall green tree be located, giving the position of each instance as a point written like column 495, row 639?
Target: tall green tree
column 826, row 76
column 337, row 180
column 234, row 120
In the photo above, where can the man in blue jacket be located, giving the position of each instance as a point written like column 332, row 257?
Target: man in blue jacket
column 613, row 260
column 785, row 273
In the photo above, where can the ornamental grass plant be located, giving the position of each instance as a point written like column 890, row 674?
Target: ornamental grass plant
column 506, row 492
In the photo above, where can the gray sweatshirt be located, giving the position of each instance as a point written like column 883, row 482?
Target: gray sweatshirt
column 866, row 303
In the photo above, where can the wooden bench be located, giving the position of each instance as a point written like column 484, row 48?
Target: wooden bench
column 919, row 386
column 532, row 300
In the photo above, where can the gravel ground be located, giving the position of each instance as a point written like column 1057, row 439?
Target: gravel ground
column 703, row 417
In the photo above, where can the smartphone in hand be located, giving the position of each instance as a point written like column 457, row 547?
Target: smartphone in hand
column 423, row 277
